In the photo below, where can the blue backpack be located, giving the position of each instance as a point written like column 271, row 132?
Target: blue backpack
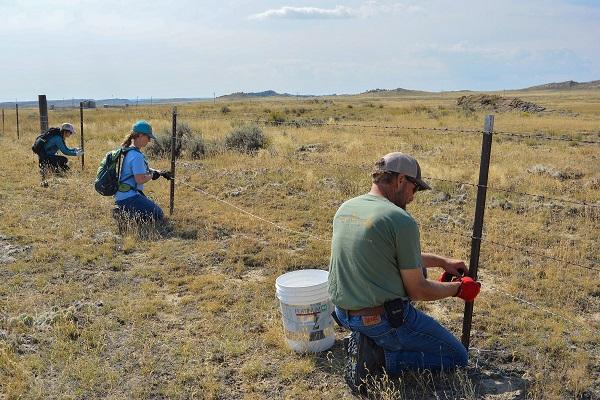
column 107, row 178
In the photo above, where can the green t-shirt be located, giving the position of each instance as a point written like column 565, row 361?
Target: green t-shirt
column 372, row 240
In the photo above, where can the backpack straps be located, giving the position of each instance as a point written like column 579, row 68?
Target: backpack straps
column 125, row 187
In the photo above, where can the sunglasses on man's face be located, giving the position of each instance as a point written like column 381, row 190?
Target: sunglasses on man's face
column 414, row 182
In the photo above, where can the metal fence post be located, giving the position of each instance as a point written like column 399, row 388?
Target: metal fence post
column 173, row 146
column 81, row 127
column 2, row 121
column 43, row 106
column 484, row 166
column 17, row 112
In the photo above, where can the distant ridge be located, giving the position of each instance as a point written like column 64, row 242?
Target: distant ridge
column 567, row 85
column 243, row 95
column 393, row 92
column 121, row 102
column 266, row 93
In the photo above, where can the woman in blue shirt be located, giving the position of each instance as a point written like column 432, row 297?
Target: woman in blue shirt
column 49, row 160
column 130, row 198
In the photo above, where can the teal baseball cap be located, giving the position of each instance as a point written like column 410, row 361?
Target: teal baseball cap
column 144, row 128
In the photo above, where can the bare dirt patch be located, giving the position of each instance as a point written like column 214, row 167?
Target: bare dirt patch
column 9, row 251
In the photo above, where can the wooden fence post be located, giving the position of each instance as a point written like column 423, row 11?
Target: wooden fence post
column 484, row 167
column 43, row 106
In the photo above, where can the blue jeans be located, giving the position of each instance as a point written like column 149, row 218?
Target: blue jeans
column 141, row 208
column 419, row 343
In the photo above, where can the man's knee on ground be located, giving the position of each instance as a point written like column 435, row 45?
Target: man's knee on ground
column 462, row 358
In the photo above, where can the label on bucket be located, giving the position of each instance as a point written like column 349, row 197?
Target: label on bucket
column 307, row 322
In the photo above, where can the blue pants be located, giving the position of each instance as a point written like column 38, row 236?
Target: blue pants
column 419, row 343
column 141, row 208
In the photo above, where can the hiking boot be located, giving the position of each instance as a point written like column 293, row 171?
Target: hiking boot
column 365, row 361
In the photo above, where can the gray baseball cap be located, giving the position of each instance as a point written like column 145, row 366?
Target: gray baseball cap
column 402, row 164
column 67, row 127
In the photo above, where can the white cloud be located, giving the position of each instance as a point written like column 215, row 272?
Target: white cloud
column 368, row 9
column 339, row 12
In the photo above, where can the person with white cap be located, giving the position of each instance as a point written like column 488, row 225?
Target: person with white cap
column 130, row 198
column 377, row 269
column 52, row 141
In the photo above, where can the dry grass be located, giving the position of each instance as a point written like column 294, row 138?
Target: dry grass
column 88, row 313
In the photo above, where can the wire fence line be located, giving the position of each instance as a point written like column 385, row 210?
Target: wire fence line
column 493, row 188
column 529, row 251
column 521, row 249
column 540, row 308
column 483, row 238
column 327, row 240
column 321, row 123
column 497, row 189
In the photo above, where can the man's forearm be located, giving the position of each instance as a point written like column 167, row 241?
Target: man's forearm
column 433, row 260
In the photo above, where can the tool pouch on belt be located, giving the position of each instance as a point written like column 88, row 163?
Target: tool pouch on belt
column 394, row 310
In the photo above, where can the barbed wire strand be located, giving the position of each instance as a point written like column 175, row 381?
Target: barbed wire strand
column 576, row 202
column 516, row 248
column 581, row 203
column 528, row 251
column 542, row 137
column 521, row 135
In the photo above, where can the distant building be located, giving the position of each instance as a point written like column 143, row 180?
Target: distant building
column 88, row 104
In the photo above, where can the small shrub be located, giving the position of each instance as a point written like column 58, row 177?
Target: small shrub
column 161, row 146
column 246, row 138
column 194, row 147
column 187, row 141
column 277, row 118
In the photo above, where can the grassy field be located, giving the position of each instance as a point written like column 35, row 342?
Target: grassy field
column 87, row 313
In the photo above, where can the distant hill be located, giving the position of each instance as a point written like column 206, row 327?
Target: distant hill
column 567, row 85
column 266, row 93
column 393, row 92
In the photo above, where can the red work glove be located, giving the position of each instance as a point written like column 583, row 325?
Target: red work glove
column 469, row 289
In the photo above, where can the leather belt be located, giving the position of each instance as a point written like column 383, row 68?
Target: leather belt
column 368, row 311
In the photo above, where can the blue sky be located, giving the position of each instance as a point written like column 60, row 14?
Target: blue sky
column 115, row 48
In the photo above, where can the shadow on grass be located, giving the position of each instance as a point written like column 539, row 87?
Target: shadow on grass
column 485, row 380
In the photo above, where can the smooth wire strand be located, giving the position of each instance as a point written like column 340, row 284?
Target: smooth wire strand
column 545, row 310
column 282, row 228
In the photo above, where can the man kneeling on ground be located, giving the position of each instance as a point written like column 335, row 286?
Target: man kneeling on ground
column 377, row 269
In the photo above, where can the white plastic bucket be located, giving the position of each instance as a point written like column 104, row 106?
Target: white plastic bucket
column 306, row 310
